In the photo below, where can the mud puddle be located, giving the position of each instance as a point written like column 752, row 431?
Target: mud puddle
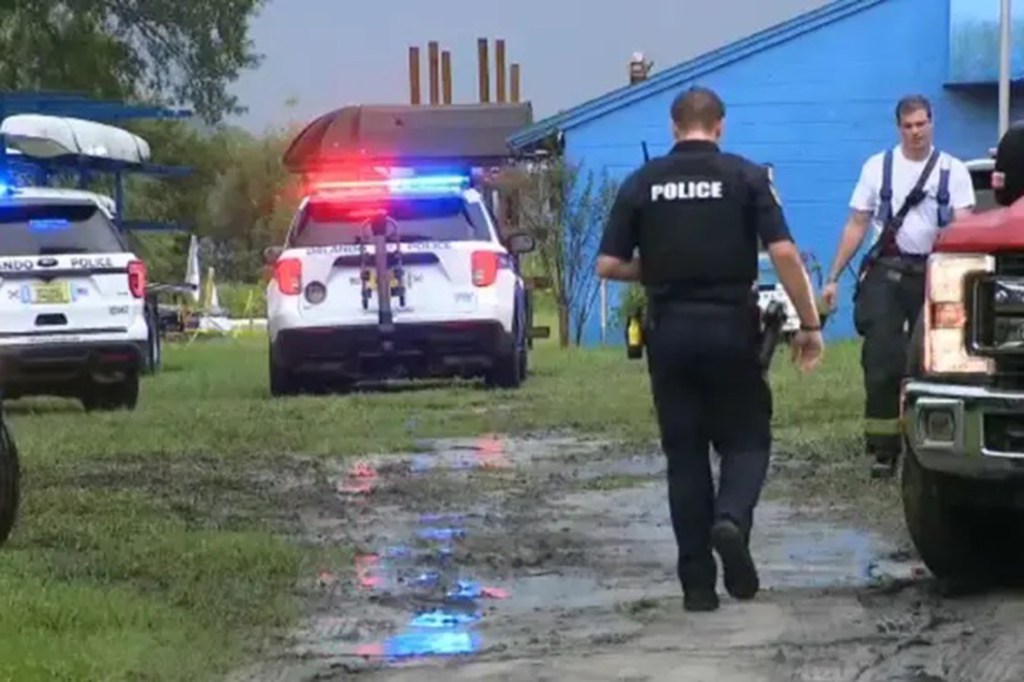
column 504, row 559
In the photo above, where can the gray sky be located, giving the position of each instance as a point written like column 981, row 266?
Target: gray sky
column 331, row 53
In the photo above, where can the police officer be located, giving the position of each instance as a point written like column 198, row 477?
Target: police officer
column 695, row 216
column 908, row 193
column 1008, row 175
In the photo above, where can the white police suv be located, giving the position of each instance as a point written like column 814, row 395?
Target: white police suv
column 73, row 318
column 403, row 275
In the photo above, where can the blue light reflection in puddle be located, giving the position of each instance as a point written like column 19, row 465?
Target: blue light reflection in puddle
column 425, row 568
column 429, row 643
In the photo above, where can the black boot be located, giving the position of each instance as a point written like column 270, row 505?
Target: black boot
column 884, row 450
column 739, row 573
column 884, row 466
column 701, row 599
column 698, row 579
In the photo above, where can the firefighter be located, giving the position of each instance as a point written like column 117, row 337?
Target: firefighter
column 695, row 217
column 907, row 194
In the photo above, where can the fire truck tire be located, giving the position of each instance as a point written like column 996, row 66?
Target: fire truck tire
column 944, row 535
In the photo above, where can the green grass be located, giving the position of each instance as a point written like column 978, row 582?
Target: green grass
column 151, row 547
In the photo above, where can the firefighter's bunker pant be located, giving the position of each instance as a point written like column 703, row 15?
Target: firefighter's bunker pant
column 888, row 301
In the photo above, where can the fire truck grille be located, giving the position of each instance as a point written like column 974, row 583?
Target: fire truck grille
column 996, row 319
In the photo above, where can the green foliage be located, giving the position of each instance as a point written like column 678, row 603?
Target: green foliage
column 250, row 204
column 632, row 303
column 243, row 300
column 168, row 51
column 565, row 208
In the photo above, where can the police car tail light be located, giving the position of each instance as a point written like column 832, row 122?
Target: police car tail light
column 288, row 275
column 945, row 314
column 485, row 268
column 137, row 278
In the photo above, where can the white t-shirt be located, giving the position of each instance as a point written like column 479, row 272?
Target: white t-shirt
column 921, row 224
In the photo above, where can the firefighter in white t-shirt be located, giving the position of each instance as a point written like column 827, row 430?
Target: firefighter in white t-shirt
column 906, row 194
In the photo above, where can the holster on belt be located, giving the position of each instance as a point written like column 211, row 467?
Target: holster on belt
column 772, row 320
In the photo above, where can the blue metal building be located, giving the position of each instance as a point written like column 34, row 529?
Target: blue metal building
column 814, row 96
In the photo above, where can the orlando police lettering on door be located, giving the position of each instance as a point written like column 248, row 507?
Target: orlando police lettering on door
column 16, row 265
column 686, row 190
column 80, row 262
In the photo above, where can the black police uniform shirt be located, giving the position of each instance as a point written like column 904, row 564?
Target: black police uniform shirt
column 696, row 215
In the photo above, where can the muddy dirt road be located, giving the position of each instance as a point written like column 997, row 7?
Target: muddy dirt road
column 552, row 559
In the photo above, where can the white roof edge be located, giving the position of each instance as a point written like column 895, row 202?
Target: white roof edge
column 65, row 193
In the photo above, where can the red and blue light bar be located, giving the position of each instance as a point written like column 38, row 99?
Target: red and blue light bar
column 398, row 183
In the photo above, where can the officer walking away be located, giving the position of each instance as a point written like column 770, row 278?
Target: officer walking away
column 695, row 217
column 1008, row 174
column 907, row 193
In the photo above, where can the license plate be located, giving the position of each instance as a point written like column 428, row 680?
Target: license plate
column 51, row 293
column 373, row 281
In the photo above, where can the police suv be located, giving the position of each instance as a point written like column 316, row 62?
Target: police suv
column 73, row 317
column 445, row 299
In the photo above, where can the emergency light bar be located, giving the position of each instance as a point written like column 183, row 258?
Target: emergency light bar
column 7, row 186
column 410, row 186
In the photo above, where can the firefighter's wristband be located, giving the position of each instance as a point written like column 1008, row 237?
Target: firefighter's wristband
column 809, row 328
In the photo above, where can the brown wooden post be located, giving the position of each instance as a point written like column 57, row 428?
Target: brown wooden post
column 446, row 77
column 432, row 58
column 499, row 71
column 414, row 76
column 485, row 70
column 514, row 84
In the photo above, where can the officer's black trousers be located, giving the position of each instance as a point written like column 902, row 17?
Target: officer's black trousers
column 888, row 304
column 708, row 389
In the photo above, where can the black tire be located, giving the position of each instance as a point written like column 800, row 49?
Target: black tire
column 949, row 538
column 282, row 381
column 10, row 481
column 152, row 360
column 156, row 347
column 123, row 395
column 509, row 368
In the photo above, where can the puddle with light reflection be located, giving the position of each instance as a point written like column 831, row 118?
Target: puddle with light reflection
column 422, row 570
column 513, row 568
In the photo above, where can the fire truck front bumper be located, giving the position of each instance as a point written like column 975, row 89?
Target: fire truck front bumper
column 968, row 431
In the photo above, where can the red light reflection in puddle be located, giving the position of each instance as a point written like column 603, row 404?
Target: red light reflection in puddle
column 375, row 650
column 365, row 567
column 490, row 452
column 360, row 480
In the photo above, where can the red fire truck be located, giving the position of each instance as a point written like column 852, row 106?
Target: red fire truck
column 962, row 405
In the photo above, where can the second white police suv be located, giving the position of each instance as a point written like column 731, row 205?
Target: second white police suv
column 461, row 308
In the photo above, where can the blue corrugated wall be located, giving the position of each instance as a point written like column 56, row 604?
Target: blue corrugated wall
column 816, row 107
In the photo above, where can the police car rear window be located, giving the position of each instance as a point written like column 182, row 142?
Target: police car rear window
column 443, row 220
column 42, row 229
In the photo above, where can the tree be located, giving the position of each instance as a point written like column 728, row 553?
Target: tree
column 183, row 52
column 564, row 210
column 250, row 203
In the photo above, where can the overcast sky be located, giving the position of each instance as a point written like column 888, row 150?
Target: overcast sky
column 324, row 54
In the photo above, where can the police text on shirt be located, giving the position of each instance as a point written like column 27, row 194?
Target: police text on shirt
column 686, row 190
